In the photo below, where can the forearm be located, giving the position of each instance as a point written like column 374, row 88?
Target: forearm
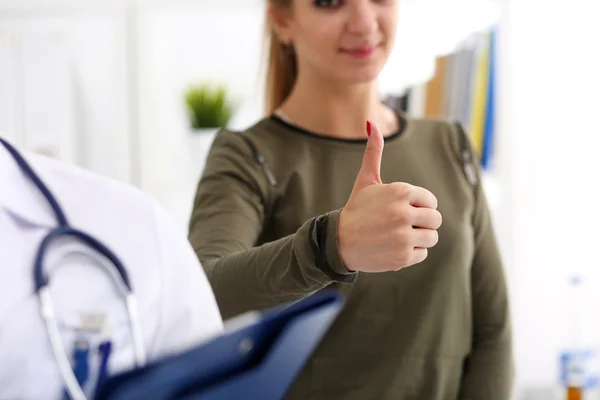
column 489, row 368
column 281, row 271
column 489, row 372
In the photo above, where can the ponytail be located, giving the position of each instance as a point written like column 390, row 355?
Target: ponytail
column 282, row 70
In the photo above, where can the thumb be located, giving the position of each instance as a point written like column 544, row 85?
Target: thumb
column 369, row 173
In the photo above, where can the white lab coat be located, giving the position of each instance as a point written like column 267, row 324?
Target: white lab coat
column 176, row 304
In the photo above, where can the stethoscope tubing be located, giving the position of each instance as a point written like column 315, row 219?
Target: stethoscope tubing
column 41, row 281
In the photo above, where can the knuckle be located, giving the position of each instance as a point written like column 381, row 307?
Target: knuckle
column 401, row 189
column 401, row 260
column 399, row 214
column 403, row 255
column 400, row 237
column 369, row 175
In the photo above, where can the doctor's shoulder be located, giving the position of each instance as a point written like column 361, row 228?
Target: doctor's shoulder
column 91, row 188
column 154, row 250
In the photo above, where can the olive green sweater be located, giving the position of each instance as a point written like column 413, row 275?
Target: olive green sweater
column 264, row 226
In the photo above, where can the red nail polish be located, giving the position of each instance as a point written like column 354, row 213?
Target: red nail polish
column 368, row 128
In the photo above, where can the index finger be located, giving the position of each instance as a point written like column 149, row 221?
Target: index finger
column 420, row 197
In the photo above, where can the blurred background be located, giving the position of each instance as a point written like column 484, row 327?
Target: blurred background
column 119, row 87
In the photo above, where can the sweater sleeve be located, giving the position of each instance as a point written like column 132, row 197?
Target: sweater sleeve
column 489, row 368
column 232, row 202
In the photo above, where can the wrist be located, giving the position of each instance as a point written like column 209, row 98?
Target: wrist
column 331, row 245
column 326, row 242
column 339, row 245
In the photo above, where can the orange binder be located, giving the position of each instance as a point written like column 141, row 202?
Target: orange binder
column 434, row 101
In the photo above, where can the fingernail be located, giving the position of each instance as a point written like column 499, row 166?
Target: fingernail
column 368, row 128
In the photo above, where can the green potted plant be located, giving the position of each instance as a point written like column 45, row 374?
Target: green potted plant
column 209, row 107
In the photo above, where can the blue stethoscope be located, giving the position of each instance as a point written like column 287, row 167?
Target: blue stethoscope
column 73, row 377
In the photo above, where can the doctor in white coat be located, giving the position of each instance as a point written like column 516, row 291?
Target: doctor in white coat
column 175, row 309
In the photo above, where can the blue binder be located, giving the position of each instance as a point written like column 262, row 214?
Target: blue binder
column 257, row 361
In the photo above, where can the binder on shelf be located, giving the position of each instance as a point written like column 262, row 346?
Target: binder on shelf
column 257, row 360
column 462, row 88
column 487, row 150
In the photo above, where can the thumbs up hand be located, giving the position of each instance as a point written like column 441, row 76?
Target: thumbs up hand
column 385, row 227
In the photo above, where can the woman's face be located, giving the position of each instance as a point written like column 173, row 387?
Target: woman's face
column 344, row 40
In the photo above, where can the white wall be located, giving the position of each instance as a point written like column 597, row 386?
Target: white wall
column 63, row 87
column 549, row 150
column 428, row 28
column 186, row 45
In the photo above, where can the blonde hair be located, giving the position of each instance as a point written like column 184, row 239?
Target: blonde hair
column 282, row 69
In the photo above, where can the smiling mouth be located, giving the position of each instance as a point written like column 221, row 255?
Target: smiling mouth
column 360, row 53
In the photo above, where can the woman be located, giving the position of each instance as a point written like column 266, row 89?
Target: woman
column 295, row 204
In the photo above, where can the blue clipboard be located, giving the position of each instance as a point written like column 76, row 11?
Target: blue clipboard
column 259, row 360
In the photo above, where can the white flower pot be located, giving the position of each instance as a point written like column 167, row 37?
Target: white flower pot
column 200, row 141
